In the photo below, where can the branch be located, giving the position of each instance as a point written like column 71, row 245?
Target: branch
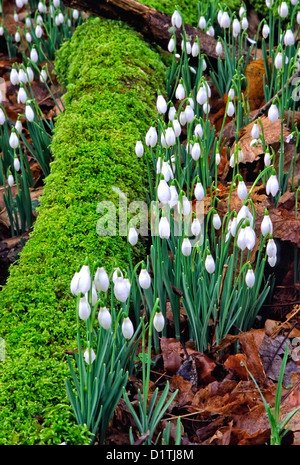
column 151, row 23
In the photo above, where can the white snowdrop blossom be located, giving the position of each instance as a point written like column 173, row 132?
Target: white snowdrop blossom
column 289, row 37
column 186, row 247
column 171, row 45
column 89, row 356
column 266, row 225
column 161, row 104
column 144, row 279
column 199, row 191
column 210, row 264
column 242, row 191
column 283, row 10
column 151, row 137
column 133, row 236
column 271, row 248
column 225, row 20
column 217, row 223
column 104, row 318
column 121, row 289
column 127, row 328
column 10, row 180
column 255, row 132
column 13, row 140
column 84, row 309
column 273, row 113
column 101, row 280
column 250, row 278
column 163, row 191
column 265, row 31
column 196, row 227
column 158, row 321
column 29, row 113
column 164, row 228
column 272, row 186
column 236, row 27
column 219, row 48
column 139, row 149
column 176, row 19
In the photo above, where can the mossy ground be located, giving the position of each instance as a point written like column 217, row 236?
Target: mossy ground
column 113, row 79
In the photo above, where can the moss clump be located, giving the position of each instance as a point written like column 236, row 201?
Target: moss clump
column 113, row 79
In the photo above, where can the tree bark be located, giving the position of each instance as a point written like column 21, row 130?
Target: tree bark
column 151, row 23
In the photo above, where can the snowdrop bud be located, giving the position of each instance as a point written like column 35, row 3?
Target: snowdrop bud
column 265, row 31
column 84, row 309
column 176, row 19
column 39, row 19
column 236, row 27
column 151, row 137
column 17, row 37
column 17, row 164
column 2, row 117
column 198, row 131
column 104, row 318
column 122, row 289
column 74, row 285
column 267, row 158
column 269, row 3
column 127, row 328
column 171, row 45
column 266, row 225
column 34, row 55
column 244, row 23
column 272, row 261
column 22, row 76
column 89, row 356
column 43, row 76
column 196, row 227
column 176, row 127
column 28, row 21
column 250, row 237
column 298, row 17
column 216, row 221
column 41, row 7
column 29, row 113
column 174, row 197
column 189, row 113
column 139, row 149
column 19, row 3
column 172, row 112
column 242, row 11
column 199, row 191
column 38, row 31
column 289, row 37
column 233, row 226
column 144, row 279
column 84, row 279
column 202, row 22
column 101, row 280
column 14, row 77
column 10, row 180
column 219, row 16
column 250, row 278
column 180, row 92
column 272, row 186
column 164, row 228
column 278, row 61
column 13, row 140
column 204, row 64
column 158, row 321
column 186, row 46
column 184, row 206
column 163, row 191
column 210, row 264
column 30, row 74
column 186, row 247
column 195, row 50
column 210, row 31
column 225, row 20
column 217, row 158
column 202, row 95
column 231, row 93
column 56, row 3
column 273, row 113
column 271, row 248
column 28, row 37
column 133, row 236
column 22, row 95
column 170, row 137
column 242, row 190
column 283, row 10
column 230, row 109
column 219, row 48
column 161, row 105
column 255, row 132
column 196, row 151
column 75, row 14
column 241, row 239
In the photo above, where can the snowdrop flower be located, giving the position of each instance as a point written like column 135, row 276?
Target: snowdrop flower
column 139, row 149
column 189, row 113
column 196, row 151
column 271, row 248
column 56, row 3
column 19, row 3
column 101, row 280
column 196, row 227
column 84, row 309
column 174, row 197
column 180, row 92
column 22, row 95
column 41, row 7
column 198, row 131
column 43, row 76
column 283, row 10
column 151, row 137
column 272, row 186
column 278, row 61
column 28, row 21
column 170, row 137
column 186, row 247
column 206, row 108
column 176, row 127
column 242, row 11
column 182, row 118
column 231, row 93
column 244, row 23
column 250, row 237
column 85, row 281
column 1, row 30
column 30, row 73
column 241, row 239
column 34, row 55
column 10, row 180
column 22, row 76
column 144, row 279
column 219, row 16
column 216, row 221
column 267, row 158
column 272, row 261
column 75, row 14
column 17, row 36
column 164, row 228
column 17, row 165
column 202, row 22
column 217, row 158
column 104, row 318
column 245, row 214
column 225, row 20
column 209, row 264
column 121, row 289
column 289, row 37
column 176, row 19
column 202, row 95
column 266, row 224
column 250, row 278
column 14, row 77
column 242, row 190
column 163, row 191
column 38, row 31
column 210, row 31
column 89, row 356
column 219, row 48
column 233, row 225
column 29, row 113
column 13, row 140
column 236, row 27
column 74, row 285
column 171, row 45
column 265, row 31
column 184, row 206
column 18, row 126
column 186, row 46
column 2, row 117
column 133, row 236
column 28, row 37
column 255, row 132
column 127, row 328
column 199, row 191
column 172, row 112
column 273, row 113
column 158, row 321
column 230, row 109
column 161, row 105
column 195, row 50
column 298, row 17
column 269, row 3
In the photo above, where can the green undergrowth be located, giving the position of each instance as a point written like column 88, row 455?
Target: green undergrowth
column 113, row 79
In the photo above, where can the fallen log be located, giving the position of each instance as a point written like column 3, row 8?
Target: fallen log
column 152, row 24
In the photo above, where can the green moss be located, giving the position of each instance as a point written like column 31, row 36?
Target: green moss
column 109, row 105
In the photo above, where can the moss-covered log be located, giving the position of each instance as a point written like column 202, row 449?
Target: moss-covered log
column 113, row 80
